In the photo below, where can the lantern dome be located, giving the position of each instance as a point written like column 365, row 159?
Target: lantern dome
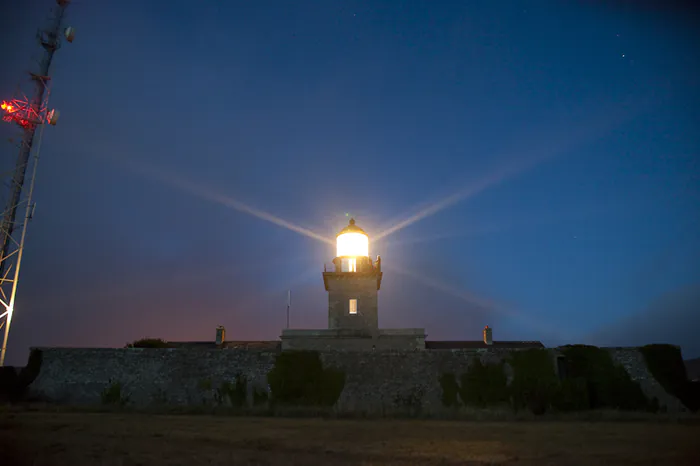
column 352, row 241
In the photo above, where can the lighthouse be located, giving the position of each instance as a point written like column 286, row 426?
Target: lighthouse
column 352, row 284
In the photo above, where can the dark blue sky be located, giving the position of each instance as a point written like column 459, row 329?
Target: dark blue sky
column 550, row 150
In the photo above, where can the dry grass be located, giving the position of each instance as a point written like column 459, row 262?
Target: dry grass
column 78, row 439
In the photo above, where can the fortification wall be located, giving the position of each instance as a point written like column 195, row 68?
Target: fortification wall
column 375, row 381
column 409, row 339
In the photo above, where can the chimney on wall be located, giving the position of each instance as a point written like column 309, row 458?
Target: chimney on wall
column 220, row 335
column 488, row 335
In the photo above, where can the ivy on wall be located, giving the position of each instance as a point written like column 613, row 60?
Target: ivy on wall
column 299, row 378
column 608, row 385
column 484, row 385
column 535, row 383
column 260, row 397
column 665, row 363
column 114, row 394
column 450, row 389
column 592, row 381
column 235, row 393
column 14, row 383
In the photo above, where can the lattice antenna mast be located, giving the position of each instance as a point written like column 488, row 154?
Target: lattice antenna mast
column 29, row 114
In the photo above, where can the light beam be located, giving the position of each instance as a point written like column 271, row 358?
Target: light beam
column 579, row 134
column 482, row 303
column 211, row 195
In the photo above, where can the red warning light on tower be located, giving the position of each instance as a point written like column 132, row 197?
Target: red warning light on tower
column 17, row 111
column 22, row 113
column 8, row 107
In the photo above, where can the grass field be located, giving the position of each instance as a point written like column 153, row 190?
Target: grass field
column 96, row 439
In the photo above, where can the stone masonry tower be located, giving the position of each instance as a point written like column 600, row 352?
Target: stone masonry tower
column 354, row 284
column 353, row 318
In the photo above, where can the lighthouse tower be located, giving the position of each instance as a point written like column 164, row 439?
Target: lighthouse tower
column 354, row 283
column 353, row 313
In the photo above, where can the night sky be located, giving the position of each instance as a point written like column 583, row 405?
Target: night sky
column 541, row 159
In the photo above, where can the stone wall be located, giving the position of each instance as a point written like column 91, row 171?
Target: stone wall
column 176, row 376
column 365, row 340
column 375, row 381
column 388, row 381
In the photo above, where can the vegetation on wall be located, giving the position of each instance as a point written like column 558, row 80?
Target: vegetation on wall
column 450, row 389
column 593, row 381
column 149, row 343
column 14, row 382
column 114, row 394
column 30, row 372
column 665, row 363
column 299, row 378
column 535, row 384
column 260, row 397
column 608, row 385
column 236, row 393
column 205, row 384
column 571, row 395
column 484, row 385
column 9, row 384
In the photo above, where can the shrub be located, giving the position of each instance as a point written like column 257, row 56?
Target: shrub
column 299, row 378
column 607, row 385
column 205, row 384
column 236, row 393
column 535, row 384
column 14, row 383
column 665, row 363
column 149, row 343
column 483, row 385
column 260, row 397
column 450, row 390
column 693, row 396
column 571, row 395
column 30, row 372
column 112, row 395
column 9, row 383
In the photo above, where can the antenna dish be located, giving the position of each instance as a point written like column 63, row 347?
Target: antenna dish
column 52, row 117
column 69, row 33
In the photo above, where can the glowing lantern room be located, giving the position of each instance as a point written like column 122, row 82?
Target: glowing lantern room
column 352, row 241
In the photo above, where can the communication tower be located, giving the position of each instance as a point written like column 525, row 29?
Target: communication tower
column 29, row 113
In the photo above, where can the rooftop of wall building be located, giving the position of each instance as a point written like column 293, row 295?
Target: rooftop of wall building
column 270, row 345
column 435, row 345
column 480, row 344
